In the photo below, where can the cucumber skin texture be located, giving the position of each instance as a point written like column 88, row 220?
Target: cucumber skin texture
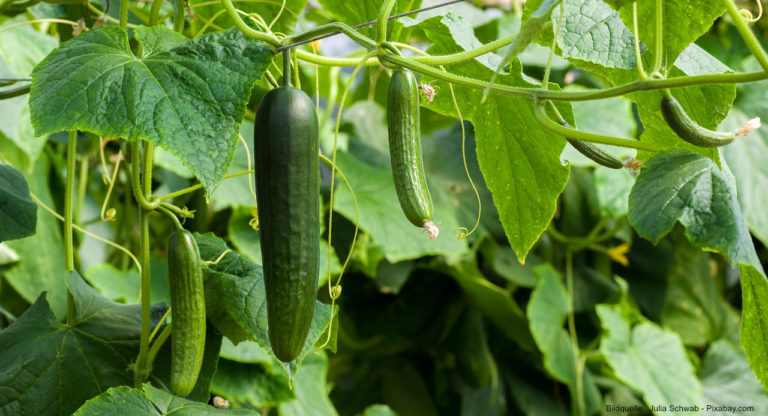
column 185, row 278
column 288, row 195
column 596, row 154
column 688, row 130
column 404, row 132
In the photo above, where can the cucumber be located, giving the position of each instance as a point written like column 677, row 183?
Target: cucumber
column 595, row 153
column 185, row 278
column 688, row 130
column 587, row 149
column 405, row 150
column 288, row 194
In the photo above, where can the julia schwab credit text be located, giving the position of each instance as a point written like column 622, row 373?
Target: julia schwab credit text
column 673, row 408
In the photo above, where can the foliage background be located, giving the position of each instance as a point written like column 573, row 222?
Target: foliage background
column 424, row 327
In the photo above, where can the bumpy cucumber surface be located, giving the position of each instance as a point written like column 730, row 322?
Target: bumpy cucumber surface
column 405, row 150
column 288, row 193
column 689, row 130
column 185, row 278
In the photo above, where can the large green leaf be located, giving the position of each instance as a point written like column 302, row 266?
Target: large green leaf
column 593, row 32
column 728, row 382
column 18, row 213
column 519, row 160
column 149, row 401
column 185, row 96
column 49, row 368
column 236, row 299
column 684, row 22
column 680, row 186
column 649, row 359
column 42, row 256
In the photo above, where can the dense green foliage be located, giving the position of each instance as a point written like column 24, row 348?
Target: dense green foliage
column 620, row 274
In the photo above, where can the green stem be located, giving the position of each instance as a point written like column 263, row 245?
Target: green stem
column 638, row 55
column 82, row 187
column 247, row 30
column 136, row 178
column 141, row 372
column 541, row 94
column 287, row 68
column 4, row 95
column 659, row 38
column 124, row 14
column 545, row 80
column 178, row 15
column 69, row 190
column 325, row 29
column 159, row 341
column 199, row 185
column 551, row 125
column 154, row 12
column 381, row 22
column 579, row 399
column 749, row 37
column 172, row 217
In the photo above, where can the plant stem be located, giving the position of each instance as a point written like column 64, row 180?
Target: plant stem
column 638, row 55
column 381, row 22
column 124, row 14
column 159, row 341
column 659, row 38
column 545, row 80
column 541, row 94
column 247, row 30
column 154, row 12
column 199, row 185
column 69, row 249
column 142, row 370
column 579, row 399
column 749, row 37
column 178, row 15
column 136, row 183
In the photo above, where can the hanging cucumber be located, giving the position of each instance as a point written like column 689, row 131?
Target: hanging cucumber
column 405, row 150
column 589, row 150
column 688, row 130
column 185, row 278
column 288, row 194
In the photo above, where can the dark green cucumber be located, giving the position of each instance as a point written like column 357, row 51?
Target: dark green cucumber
column 405, row 150
column 689, row 130
column 288, row 194
column 185, row 278
column 595, row 153
column 587, row 149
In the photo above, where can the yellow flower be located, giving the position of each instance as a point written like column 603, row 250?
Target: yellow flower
column 618, row 254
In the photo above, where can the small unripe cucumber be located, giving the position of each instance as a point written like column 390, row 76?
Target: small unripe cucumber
column 596, row 154
column 185, row 278
column 589, row 150
column 688, row 130
column 405, row 150
column 286, row 151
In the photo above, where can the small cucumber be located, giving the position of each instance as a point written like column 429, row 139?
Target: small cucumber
column 595, row 154
column 405, row 150
column 688, row 130
column 288, row 195
column 587, row 149
column 185, row 278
